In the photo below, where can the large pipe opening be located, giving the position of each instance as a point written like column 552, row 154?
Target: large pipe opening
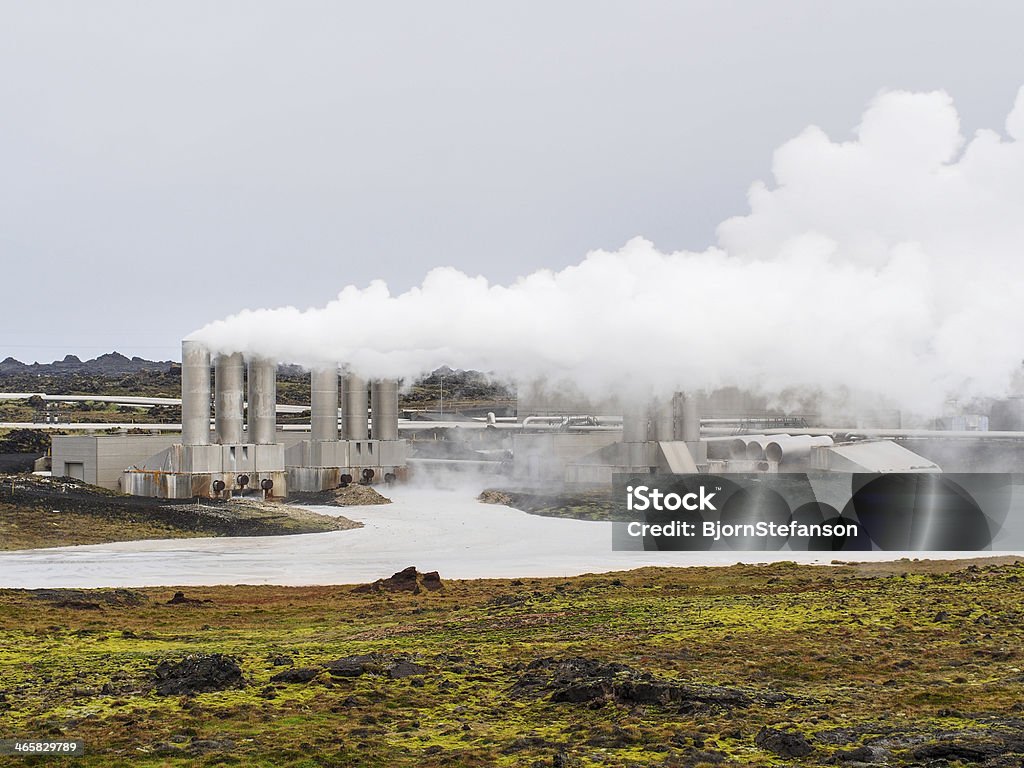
column 756, row 447
column 792, row 448
column 738, row 445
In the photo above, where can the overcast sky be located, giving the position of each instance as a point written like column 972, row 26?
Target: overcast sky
column 164, row 165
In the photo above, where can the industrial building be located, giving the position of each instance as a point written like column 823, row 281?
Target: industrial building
column 230, row 440
column 245, row 450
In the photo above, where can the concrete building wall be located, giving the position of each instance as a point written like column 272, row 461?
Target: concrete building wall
column 103, row 458
column 116, row 452
column 74, row 456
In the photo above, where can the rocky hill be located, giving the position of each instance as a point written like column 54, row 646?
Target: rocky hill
column 110, row 364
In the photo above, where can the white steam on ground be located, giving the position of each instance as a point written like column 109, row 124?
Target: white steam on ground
column 891, row 264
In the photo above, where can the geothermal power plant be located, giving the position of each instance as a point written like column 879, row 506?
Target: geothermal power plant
column 232, row 443
column 245, row 452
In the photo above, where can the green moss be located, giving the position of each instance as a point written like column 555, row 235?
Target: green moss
column 852, row 648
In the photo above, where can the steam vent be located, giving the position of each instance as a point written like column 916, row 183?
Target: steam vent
column 245, row 451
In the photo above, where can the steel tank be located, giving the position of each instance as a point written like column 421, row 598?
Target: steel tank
column 262, row 413
column 195, row 393
column 354, row 410
column 229, row 398
column 323, row 398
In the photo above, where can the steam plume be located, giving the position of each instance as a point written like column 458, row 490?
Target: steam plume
column 892, row 263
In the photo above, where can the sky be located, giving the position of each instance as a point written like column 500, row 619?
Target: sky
column 166, row 165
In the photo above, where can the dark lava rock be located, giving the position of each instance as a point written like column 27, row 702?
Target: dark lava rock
column 197, row 674
column 579, row 680
column 406, row 580
column 375, row 664
column 432, row 581
column 402, row 668
column 965, row 749
column 201, row 746
column 507, row 601
column 860, row 754
column 403, row 581
column 281, row 661
column 354, row 666
column 296, row 675
column 783, row 743
column 180, row 599
column 91, row 598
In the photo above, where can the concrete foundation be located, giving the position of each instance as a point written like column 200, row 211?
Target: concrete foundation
column 318, row 466
column 187, row 471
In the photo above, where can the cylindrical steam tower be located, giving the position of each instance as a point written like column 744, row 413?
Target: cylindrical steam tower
column 634, row 424
column 195, row 393
column 384, row 407
column 229, row 393
column 691, row 419
column 354, row 411
column 324, row 404
column 262, row 416
column 662, row 421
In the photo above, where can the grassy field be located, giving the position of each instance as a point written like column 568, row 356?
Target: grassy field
column 899, row 664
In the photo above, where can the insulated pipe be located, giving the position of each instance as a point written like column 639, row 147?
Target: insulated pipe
column 721, row 447
column 354, row 418
column 323, row 399
column 755, row 448
column 795, row 447
column 738, row 445
column 262, row 401
column 195, row 394
column 384, row 408
column 531, row 419
column 229, row 405
column 882, row 433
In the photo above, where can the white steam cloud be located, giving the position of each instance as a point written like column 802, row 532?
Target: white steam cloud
column 893, row 264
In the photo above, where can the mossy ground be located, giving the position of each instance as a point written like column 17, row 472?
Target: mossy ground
column 593, row 504
column 894, row 655
column 35, row 527
column 40, row 512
